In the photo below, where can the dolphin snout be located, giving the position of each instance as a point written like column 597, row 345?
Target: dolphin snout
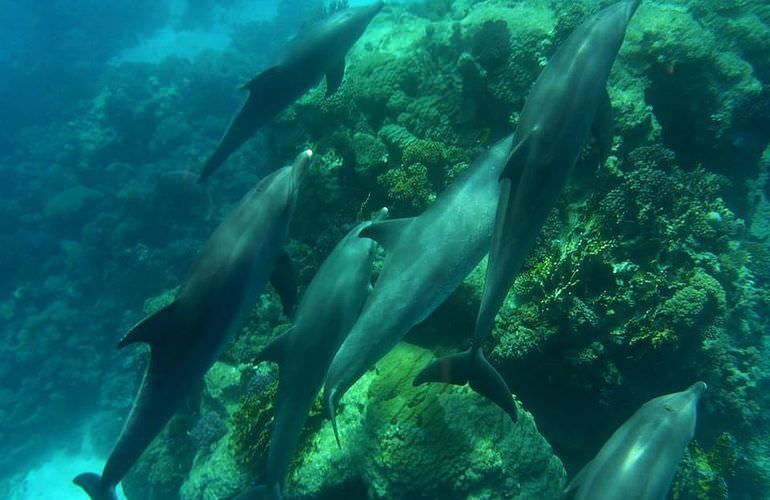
column 381, row 214
column 300, row 165
column 698, row 388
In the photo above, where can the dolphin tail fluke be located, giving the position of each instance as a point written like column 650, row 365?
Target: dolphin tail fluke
column 472, row 368
column 95, row 487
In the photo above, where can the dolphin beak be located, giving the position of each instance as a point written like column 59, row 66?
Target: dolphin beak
column 300, row 166
column 698, row 388
column 381, row 214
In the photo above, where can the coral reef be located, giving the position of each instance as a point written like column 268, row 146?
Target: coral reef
column 398, row 442
column 652, row 271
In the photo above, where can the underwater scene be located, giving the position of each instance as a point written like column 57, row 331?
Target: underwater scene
column 417, row 249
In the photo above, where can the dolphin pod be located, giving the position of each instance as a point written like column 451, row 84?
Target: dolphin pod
column 343, row 326
column 325, row 315
column 186, row 336
column 640, row 458
column 426, row 259
column 317, row 51
column 568, row 100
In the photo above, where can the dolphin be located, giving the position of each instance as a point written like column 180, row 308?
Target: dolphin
column 568, row 101
column 427, row 257
column 186, row 336
column 639, row 460
column 316, row 51
column 328, row 310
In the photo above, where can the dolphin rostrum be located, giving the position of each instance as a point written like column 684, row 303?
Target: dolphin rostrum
column 640, row 458
column 186, row 336
column 329, row 308
column 317, row 51
column 567, row 102
column 426, row 259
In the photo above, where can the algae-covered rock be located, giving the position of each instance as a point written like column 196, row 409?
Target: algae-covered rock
column 223, row 383
column 68, row 208
column 448, row 442
column 214, row 476
column 163, row 467
column 399, row 441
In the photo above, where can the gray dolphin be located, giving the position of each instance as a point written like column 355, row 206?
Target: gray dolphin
column 317, row 51
column 186, row 336
column 568, row 100
column 639, row 460
column 329, row 307
column 427, row 257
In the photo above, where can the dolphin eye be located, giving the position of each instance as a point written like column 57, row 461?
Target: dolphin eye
column 668, row 407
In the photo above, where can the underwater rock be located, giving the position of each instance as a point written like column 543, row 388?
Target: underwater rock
column 69, row 209
column 223, row 383
column 434, row 442
column 693, row 83
column 213, row 476
column 405, row 442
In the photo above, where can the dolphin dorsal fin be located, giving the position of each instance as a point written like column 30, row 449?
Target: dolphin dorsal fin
column 276, row 350
column 151, row 329
column 334, row 77
column 386, row 232
column 516, row 161
column 263, row 81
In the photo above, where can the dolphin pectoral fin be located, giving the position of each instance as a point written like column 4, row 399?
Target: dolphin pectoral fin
column 268, row 79
column 331, row 406
column 334, row 77
column 284, row 280
column 275, row 351
column 602, row 126
column 94, row 487
column 516, row 161
column 386, row 232
column 453, row 369
column 573, row 485
column 151, row 329
column 465, row 367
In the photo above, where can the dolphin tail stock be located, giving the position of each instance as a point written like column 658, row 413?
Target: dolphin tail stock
column 94, row 486
column 470, row 367
column 215, row 160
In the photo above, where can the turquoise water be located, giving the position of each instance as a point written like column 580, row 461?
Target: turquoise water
column 651, row 272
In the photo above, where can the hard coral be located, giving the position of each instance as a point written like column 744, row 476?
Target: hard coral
column 408, row 188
